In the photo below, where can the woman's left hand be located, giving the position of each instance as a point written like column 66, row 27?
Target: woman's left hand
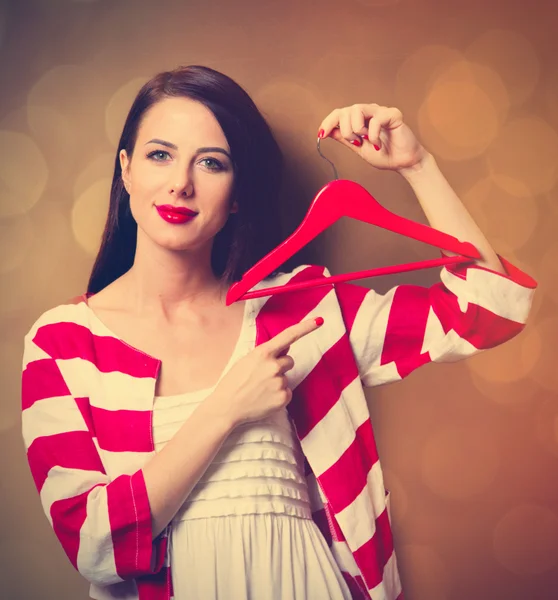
column 377, row 134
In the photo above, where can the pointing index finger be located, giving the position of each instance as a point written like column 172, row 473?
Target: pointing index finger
column 283, row 340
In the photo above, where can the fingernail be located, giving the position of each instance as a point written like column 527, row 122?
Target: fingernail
column 356, row 142
column 321, row 133
column 377, row 147
column 364, row 137
column 319, row 321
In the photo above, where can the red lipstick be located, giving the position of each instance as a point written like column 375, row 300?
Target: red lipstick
column 175, row 214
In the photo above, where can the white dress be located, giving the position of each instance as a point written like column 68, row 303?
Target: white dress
column 246, row 531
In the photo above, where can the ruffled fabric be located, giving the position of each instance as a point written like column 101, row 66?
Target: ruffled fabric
column 257, row 470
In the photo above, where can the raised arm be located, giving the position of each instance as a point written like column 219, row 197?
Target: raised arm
column 473, row 307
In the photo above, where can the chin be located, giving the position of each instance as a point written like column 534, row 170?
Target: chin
column 179, row 241
column 177, row 245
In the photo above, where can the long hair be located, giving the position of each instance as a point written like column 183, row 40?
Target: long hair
column 250, row 233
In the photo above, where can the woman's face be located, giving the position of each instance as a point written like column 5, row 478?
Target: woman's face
column 181, row 159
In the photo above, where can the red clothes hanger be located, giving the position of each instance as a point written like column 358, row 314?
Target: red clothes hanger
column 344, row 198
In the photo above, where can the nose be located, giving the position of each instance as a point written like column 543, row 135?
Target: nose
column 180, row 183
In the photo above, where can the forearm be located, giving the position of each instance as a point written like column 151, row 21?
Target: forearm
column 171, row 474
column 445, row 211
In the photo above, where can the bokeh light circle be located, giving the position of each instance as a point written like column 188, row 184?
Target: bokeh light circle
column 512, row 56
column 504, row 210
column 99, row 168
column 459, row 461
column 118, row 107
column 458, row 119
column 69, row 97
column 526, row 149
column 16, row 240
column 418, row 72
column 52, row 130
column 463, row 71
column 525, row 539
column 89, row 214
column 511, row 361
column 516, row 396
column 23, row 173
column 53, row 89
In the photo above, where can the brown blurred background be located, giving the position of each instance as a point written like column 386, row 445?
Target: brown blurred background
column 470, row 450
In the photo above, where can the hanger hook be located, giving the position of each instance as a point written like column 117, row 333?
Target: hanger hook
column 326, row 158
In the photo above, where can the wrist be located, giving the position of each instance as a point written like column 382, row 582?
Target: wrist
column 420, row 169
column 218, row 413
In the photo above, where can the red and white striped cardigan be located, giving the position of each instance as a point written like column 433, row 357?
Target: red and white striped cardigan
column 87, row 401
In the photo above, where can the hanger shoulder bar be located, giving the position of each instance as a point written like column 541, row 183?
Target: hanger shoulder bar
column 293, row 287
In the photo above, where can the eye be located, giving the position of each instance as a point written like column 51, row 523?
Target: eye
column 158, row 155
column 213, row 164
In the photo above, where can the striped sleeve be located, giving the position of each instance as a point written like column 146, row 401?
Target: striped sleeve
column 471, row 309
column 104, row 526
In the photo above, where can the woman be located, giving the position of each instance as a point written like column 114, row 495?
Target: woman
column 187, row 449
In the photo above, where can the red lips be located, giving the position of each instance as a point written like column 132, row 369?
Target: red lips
column 182, row 210
column 175, row 214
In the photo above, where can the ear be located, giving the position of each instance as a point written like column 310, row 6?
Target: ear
column 234, row 207
column 125, row 167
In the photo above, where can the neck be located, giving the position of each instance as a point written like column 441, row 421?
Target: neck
column 168, row 282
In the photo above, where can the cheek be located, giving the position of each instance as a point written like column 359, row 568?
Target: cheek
column 145, row 192
column 146, row 184
column 141, row 205
column 221, row 191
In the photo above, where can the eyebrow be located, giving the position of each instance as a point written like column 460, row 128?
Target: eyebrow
column 205, row 149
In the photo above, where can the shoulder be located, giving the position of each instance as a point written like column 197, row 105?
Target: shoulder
column 73, row 311
column 76, row 311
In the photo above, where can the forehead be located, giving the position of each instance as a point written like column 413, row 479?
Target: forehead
column 176, row 119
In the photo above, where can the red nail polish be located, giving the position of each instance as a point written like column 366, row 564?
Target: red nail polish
column 364, row 137
column 319, row 321
column 357, row 143
column 321, row 133
column 377, row 147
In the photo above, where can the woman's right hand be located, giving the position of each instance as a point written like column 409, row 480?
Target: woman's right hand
column 256, row 385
